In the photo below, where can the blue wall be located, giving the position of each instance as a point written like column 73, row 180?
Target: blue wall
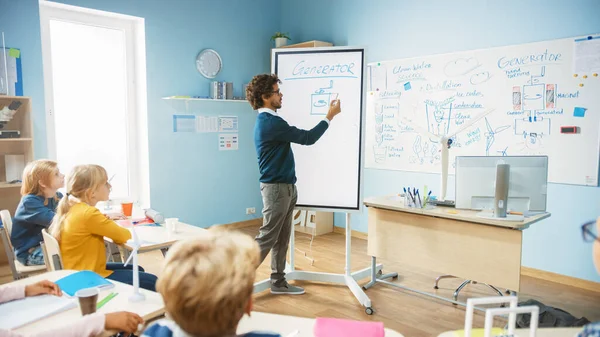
column 219, row 186
column 189, row 178
column 392, row 29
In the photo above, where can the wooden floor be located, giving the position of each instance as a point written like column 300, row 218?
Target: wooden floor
column 405, row 312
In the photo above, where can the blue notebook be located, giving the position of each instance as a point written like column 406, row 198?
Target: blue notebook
column 81, row 280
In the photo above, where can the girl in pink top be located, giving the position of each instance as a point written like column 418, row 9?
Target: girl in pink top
column 90, row 325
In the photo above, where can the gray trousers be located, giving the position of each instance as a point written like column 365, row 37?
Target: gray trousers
column 279, row 201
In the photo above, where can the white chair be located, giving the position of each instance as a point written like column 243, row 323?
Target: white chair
column 17, row 268
column 51, row 252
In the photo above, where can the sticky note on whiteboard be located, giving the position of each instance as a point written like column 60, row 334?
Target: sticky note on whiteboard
column 579, row 112
column 407, row 86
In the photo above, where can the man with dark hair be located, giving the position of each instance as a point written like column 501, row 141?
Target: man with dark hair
column 272, row 138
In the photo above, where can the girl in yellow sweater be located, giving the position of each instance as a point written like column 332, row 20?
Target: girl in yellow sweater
column 80, row 228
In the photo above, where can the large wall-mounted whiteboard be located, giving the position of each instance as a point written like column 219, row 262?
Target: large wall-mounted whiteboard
column 328, row 172
column 535, row 89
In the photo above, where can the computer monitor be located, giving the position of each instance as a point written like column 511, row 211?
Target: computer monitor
column 476, row 179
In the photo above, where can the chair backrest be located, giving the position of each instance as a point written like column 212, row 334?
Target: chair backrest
column 7, row 223
column 52, row 251
column 6, row 220
column 8, row 247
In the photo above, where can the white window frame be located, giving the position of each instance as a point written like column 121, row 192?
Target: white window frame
column 137, row 117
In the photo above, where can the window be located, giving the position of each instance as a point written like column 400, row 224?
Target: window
column 95, row 86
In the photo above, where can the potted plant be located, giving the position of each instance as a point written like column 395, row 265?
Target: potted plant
column 280, row 39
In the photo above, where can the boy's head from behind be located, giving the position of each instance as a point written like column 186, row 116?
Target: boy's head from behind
column 207, row 283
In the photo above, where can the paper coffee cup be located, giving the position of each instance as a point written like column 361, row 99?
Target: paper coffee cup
column 88, row 298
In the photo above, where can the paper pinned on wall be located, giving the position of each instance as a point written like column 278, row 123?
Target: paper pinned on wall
column 206, row 124
column 11, row 72
column 579, row 112
column 228, row 124
column 586, row 56
column 13, row 52
column 184, row 123
column 228, row 142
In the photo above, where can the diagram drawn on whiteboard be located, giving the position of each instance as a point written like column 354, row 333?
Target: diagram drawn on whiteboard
column 536, row 98
column 490, row 135
column 320, row 99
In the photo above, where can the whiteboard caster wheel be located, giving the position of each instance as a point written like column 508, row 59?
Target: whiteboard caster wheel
column 369, row 311
column 436, row 287
column 380, row 272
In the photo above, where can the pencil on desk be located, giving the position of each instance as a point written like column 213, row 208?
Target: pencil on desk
column 105, row 300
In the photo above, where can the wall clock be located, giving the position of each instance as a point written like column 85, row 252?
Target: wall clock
column 209, row 63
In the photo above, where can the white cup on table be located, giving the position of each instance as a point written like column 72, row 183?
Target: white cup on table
column 172, row 224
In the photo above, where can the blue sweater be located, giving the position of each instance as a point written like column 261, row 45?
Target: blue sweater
column 30, row 218
column 168, row 328
column 272, row 138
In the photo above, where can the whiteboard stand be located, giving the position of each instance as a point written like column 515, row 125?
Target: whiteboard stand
column 348, row 278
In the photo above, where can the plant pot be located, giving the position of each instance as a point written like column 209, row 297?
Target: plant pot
column 280, row 42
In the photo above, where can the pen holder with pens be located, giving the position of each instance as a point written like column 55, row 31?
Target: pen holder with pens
column 409, row 202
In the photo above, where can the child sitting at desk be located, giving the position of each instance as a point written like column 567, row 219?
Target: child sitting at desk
column 207, row 285
column 41, row 181
column 80, row 228
column 90, row 325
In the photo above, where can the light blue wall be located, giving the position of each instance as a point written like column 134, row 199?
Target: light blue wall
column 393, row 29
column 218, row 187
column 189, row 178
column 20, row 22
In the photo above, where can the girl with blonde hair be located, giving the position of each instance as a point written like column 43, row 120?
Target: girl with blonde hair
column 41, row 181
column 80, row 228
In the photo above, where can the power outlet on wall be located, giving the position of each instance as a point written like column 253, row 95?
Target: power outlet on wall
column 250, row 210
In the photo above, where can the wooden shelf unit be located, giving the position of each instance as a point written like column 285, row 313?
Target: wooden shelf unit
column 10, row 194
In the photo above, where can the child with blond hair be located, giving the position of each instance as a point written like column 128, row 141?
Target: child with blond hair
column 39, row 191
column 80, row 228
column 206, row 284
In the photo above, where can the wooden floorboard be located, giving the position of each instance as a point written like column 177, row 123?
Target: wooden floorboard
column 405, row 312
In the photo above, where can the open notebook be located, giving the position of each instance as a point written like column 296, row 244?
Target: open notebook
column 21, row 312
column 81, row 280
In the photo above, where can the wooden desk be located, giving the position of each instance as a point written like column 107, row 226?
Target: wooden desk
column 149, row 309
column 461, row 244
column 284, row 325
column 543, row 332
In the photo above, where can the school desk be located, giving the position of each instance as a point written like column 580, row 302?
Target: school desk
column 446, row 240
column 285, row 325
column 149, row 309
column 540, row 332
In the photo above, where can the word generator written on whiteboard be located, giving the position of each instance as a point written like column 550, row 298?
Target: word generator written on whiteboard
column 545, row 97
column 328, row 172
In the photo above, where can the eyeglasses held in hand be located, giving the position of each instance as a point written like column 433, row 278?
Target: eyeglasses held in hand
column 589, row 231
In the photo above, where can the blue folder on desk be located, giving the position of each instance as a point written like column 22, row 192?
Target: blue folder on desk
column 81, row 280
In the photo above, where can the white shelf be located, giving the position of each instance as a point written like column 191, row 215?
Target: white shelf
column 205, row 99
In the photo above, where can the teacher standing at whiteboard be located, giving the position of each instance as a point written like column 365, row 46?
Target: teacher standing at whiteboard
column 273, row 137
